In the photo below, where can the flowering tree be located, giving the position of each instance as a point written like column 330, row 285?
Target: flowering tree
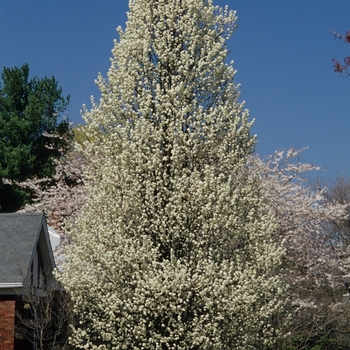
column 174, row 248
column 61, row 196
column 301, row 211
column 315, row 263
column 339, row 192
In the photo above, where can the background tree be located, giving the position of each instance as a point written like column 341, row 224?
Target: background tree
column 339, row 192
column 174, row 247
column 315, row 264
column 62, row 196
column 30, row 135
column 44, row 317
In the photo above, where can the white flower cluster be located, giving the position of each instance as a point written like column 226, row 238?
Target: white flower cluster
column 174, row 249
column 62, row 196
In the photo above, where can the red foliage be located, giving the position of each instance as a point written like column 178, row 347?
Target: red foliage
column 337, row 66
column 347, row 36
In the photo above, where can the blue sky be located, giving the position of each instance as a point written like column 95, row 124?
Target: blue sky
column 282, row 50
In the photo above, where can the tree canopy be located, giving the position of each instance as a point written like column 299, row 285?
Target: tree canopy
column 174, row 248
column 31, row 136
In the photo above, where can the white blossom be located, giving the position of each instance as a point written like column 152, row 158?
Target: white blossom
column 174, row 249
column 316, row 263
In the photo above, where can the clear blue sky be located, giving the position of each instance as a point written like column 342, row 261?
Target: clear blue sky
column 282, row 50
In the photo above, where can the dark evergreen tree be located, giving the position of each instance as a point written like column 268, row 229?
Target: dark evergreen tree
column 31, row 136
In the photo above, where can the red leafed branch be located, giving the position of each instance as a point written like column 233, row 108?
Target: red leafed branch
column 339, row 67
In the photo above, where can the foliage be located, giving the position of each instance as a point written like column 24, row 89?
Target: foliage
column 339, row 192
column 338, row 67
column 61, row 196
column 174, row 247
column 309, row 219
column 315, row 265
column 30, row 135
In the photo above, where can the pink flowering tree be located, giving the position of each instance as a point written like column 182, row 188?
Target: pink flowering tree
column 316, row 265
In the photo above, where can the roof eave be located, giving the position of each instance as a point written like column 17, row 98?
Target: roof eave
column 10, row 285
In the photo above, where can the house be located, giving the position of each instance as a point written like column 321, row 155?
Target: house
column 26, row 259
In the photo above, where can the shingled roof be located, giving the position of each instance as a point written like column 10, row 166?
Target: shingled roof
column 22, row 236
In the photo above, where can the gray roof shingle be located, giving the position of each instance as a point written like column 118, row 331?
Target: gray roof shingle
column 19, row 234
